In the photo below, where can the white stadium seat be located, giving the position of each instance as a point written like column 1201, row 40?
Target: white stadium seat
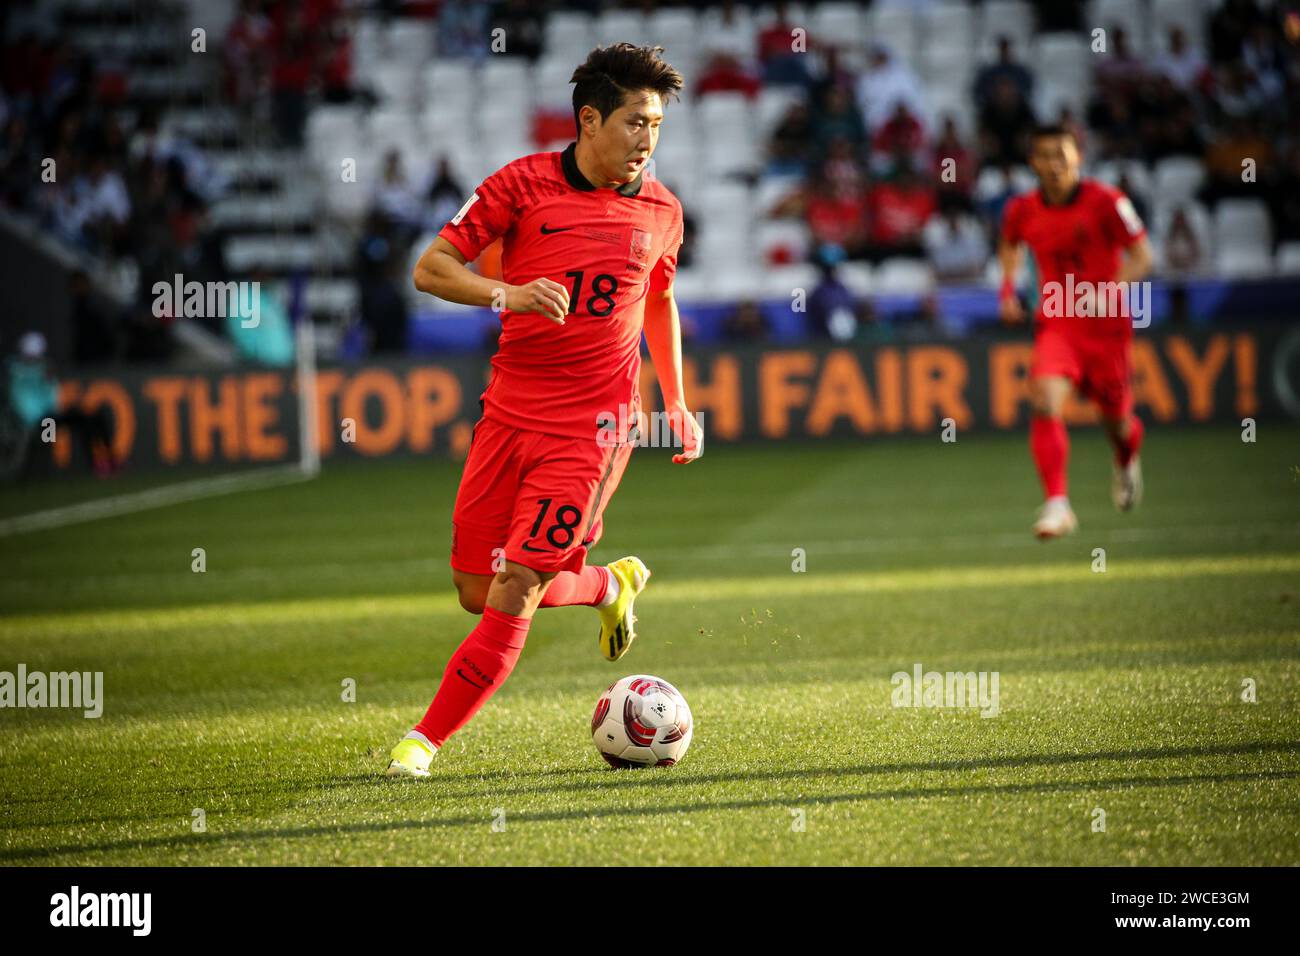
column 910, row 276
column 839, row 23
column 1242, row 222
column 1178, row 178
column 1288, row 258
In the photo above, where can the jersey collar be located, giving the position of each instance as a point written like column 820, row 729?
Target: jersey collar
column 1068, row 200
column 569, row 163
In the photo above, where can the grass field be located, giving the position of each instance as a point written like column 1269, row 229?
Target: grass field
column 1118, row 690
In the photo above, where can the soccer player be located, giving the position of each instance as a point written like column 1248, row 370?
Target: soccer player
column 590, row 243
column 1088, row 244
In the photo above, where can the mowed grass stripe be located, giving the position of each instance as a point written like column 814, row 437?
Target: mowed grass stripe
column 793, row 585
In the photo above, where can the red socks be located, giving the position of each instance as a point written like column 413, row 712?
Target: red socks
column 480, row 665
column 1051, row 449
column 587, row 586
column 1126, row 448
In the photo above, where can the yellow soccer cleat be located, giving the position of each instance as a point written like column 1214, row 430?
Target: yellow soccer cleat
column 410, row 758
column 616, row 619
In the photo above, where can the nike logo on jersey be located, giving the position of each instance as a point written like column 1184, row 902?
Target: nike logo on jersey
column 528, row 547
column 547, row 232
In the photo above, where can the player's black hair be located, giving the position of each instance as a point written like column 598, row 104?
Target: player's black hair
column 611, row 72
column 1044, row 130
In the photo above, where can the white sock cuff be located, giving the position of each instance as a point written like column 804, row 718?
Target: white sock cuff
column 416, row 735
column 611, row 590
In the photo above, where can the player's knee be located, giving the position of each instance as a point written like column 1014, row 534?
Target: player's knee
column 1043, row 400
column 471, row 590
column 471, row 600
column 519, row 581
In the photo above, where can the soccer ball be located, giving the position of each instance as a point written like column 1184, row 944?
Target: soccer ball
column 641, row 721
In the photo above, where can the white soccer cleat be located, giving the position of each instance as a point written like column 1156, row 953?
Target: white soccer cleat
column 1126, row 485
column 1055, row 519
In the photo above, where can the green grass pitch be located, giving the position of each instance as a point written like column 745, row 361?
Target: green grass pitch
column 1119, row 691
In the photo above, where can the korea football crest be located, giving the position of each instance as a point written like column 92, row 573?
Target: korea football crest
column 638, row 257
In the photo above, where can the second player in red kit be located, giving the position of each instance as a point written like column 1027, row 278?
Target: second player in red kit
column 589, row 252
column 1089, row 246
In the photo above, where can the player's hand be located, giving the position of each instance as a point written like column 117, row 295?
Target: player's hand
column 1010, row 311
column 689, row 430
column 542, row 296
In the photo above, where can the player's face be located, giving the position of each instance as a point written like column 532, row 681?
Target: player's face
column 624, row 142
column 1055, row 161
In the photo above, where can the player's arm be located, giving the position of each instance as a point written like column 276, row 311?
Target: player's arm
column 1009, row 308
column 442, row 272
column 663, row 336
column 1122, row 222
column 1136, row 264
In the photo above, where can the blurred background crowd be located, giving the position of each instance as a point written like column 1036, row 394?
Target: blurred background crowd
column 861, row 152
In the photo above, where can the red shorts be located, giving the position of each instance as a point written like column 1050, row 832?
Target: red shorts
column 531, row 498
column 1097, row 365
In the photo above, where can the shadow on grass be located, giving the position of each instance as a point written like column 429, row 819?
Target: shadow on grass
column 663, row 781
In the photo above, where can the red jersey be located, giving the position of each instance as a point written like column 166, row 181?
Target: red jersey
column 1077, row 241
column 608, row 247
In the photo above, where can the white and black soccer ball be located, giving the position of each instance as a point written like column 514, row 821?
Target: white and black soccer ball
column 642, row 721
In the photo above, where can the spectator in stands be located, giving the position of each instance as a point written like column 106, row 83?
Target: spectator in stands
column 832, row 307
column 524, row 26
column 953, row 168
column 444, row 195
column 843, row 167
column 262, row 332
column 1004, row 123
column 902, row 135
column 17, row 160
column 836, row 215
column 336, row 70
column 196, row 171
column 779, row 62
column 831, row 74
column 992, row 193
column 1166, row 119
column 1184, row 67
column 292, row 72
column 1236, row 95
column 898, row 209
column 1115, row 123
column 1119, row 71
column 396, row 199
column 102, row 205
column 1005, row 67
column 463, row 29
column 724, row 73
column 247, row 52
column 838, row 118
column 1182, row 249
column 956, row 245
column 34, row 398
column 1262, row 56
column 381, row 279
column 790, row 149
column 884, row 84
column 1229, row 25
